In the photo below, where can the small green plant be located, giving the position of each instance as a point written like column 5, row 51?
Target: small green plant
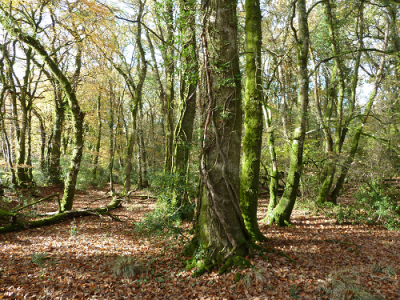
column 293, row 292
column 390, row 271
column 73, row 231
column 128, row 266
column 39, row 258
column 376, row 268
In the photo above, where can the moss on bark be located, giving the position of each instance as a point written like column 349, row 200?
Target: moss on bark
column 253, row 123
column 219, row 223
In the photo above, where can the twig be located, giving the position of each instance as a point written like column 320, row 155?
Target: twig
column 377, row 278
column 99, row 199
column 114, row 217
column 25, row 206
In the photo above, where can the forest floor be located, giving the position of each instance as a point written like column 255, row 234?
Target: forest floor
column 74, row 259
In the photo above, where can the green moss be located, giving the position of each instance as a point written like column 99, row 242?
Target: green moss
column 236, row 261
column 237, row 277
column 190, row 249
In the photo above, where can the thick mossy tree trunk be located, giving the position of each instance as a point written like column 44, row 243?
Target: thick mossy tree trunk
column 253, row 123
column 219, row 223
column 9, row 24
column 187, row 108
column 282, row 212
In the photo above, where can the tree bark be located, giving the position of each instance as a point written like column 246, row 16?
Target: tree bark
column 187, row 109
column 253, row 122
column 98, row 143
column 169, row 62
column 219, row 223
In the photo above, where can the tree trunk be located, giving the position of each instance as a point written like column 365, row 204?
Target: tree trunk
column 42, row 139
column 111, row 138
column 253, row 122
column 219, row 223
column 282, row 212
column 187, row 109
column 169, row 62
column 274, row 178
column 136, row 94
column 98, row 143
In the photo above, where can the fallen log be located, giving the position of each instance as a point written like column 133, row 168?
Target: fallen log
column 60, row 216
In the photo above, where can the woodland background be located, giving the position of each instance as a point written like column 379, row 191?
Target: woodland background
column 170, row 139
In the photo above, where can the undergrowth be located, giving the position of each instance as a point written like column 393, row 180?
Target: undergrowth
column 375, row 203
column 174, row 204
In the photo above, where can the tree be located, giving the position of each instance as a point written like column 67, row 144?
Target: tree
column 11, row 25
column 187, row 106
column 219, row 223
column 282, row 212
column 252, row 121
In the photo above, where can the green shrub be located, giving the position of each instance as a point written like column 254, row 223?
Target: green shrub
column 375, row 203
column 174, row 204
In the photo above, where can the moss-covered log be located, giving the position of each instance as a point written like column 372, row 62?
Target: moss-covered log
column 58, row 217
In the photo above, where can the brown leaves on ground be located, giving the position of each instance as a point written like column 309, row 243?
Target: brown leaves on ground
column 74, row 260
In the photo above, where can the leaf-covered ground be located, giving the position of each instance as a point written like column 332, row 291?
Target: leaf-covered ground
column 74, row 260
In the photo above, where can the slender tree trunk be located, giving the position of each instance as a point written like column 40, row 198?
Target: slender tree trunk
column 111, row 138
column 142, row 151
column 28, row 162
column 274, row 178
column 160, row 85
column 367, row 111
column 42, row 139
column 169, row 62
column 54, row 167
column 219, row 222
column 6, row 142
column 136, row 93
column 282, row 212
column 98, row 143
column 253, row 122
column 187, row 109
